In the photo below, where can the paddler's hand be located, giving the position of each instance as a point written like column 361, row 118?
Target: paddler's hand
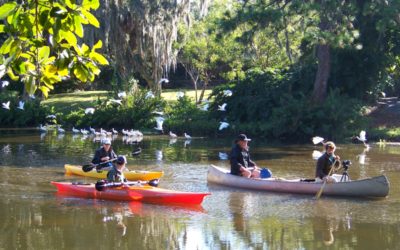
column 105, row 158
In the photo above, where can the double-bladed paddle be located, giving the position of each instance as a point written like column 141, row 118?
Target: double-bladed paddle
column 100, row 185
column 89, row 167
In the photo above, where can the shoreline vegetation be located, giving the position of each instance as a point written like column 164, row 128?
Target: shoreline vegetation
column 66, row 103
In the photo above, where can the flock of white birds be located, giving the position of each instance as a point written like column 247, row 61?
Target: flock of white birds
column 122, row 95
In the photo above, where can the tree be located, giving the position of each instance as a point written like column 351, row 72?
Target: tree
column 42, row 46
column 140, row 36
column 206, row 55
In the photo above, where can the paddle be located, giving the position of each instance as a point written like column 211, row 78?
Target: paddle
column 89, row 167
column 100, row 185
column 318, row 195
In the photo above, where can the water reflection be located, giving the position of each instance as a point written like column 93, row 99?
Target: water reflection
column 33, row 217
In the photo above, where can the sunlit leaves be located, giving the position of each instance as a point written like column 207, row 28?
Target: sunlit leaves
column 6, row 9
column 42, row 46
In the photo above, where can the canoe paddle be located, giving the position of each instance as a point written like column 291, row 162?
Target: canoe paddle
column 318, row 195
column 89, row 167
column 100, row 185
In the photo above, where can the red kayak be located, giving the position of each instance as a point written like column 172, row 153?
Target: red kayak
column 141, row 193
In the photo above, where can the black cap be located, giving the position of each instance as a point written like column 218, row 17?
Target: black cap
column 242, row 137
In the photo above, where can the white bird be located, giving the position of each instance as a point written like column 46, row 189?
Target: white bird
column 114, row 131
column 223, row 125
column 149, row 94
column 92, row 130
column 363, row 138
column 222, row 107
column 122, row 94
column 187, row 136
column 21, row 105
column 180, row 94
column 158, row 112
column 119, row 102
column 5, row 84
column 160, row 121
column 205, row 107
column 74, row 130
column 6, row 105
column 60, row 130
column 223, row 156
column 172, row 134
column 51, row 117
column 316, row 154
column 89, row 110
column 163, row 80
column 227, row 92
column 42, row 128
column 318, row 139
column 84, row 131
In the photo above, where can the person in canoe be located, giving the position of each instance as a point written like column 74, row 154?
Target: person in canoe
column 241, row 164
column 116, row 173
column 326, row 162
column 103, row 154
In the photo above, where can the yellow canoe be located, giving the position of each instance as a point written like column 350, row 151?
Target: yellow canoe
column 129, row 175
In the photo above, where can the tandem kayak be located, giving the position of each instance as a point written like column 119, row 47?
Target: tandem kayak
column 102, row 174
column 375, row 187
column 132, row 193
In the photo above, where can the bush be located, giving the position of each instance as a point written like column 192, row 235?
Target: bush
column 274, row 105
column 136, row 111
column 184, row 116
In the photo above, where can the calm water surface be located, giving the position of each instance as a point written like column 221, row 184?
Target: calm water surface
column 33, row 216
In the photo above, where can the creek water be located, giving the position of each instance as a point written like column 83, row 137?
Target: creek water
column 34, row 216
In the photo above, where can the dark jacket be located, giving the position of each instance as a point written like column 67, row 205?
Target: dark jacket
column 324, row 165
column 239, row 158
column 114, row 175
column 100, row 153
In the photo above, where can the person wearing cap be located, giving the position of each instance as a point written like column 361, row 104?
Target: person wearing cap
column 104, row 154
column 241, row 164
column 325, row 163
column 116, row 173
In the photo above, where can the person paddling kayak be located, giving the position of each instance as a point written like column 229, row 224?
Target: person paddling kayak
column 103, row 154
column 241, row 164
column 116, row 173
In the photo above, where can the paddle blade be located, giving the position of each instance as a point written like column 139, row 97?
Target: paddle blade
column 88, row 167
column 153, row 183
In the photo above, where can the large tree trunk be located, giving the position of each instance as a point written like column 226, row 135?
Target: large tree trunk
column 321, row 79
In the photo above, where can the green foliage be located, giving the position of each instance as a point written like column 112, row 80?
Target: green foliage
column 31, row 115
column 273, row 105
column 42, row 46
column 136, row 111
column 184, row 116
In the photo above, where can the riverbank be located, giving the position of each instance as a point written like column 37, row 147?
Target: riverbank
column 385, row 120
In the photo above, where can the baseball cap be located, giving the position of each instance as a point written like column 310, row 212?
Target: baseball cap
column 107, row 141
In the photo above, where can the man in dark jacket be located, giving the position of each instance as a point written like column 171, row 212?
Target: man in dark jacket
column 325, row 162
column 241, row 164
column 105, row 153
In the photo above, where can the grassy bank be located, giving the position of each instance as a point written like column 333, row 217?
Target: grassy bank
column 65, row 103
